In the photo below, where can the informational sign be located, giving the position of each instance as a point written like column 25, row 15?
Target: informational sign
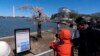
column 22, row 40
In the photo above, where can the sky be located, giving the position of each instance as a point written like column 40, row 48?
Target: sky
column 49, row 6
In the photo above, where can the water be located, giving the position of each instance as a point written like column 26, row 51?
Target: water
column 7, row 25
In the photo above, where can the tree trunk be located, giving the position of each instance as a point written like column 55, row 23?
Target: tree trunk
column 39, row 30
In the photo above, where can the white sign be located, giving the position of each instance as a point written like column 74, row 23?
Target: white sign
column 22, row 40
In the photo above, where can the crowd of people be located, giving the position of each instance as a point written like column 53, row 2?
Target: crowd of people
column 81, row 34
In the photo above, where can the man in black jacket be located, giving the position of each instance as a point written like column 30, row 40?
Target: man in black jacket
column 87, row 41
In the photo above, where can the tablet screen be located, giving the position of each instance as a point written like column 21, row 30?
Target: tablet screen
column 22, row 40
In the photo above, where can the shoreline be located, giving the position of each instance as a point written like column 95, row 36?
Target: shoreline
column 31, row 33
column 37, row 46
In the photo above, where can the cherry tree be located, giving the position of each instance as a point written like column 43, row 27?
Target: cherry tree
column 37, row 15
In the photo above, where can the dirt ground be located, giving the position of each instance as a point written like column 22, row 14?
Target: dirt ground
column 37, row 46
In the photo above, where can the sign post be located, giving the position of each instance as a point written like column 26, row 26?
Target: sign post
column 22, row 40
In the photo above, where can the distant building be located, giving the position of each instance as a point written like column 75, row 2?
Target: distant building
column 87, row 18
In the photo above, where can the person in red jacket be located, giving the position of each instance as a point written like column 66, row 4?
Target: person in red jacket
column 62, row 45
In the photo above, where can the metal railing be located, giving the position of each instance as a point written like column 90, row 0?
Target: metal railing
column 50, row 52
